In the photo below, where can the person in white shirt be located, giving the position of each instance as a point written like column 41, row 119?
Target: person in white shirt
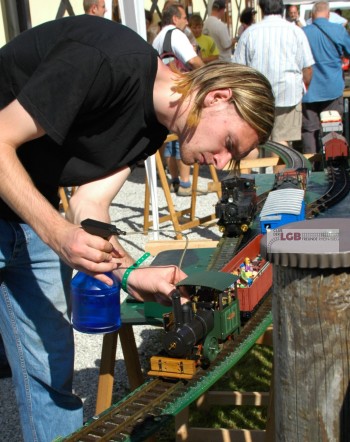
column 280, row 51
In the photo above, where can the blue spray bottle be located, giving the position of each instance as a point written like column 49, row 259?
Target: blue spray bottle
column 96, row 305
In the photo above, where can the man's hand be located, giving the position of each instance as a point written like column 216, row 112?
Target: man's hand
column 89, row 253
column 155, row 283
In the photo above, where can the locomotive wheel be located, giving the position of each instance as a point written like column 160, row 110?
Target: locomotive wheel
column 211, row 348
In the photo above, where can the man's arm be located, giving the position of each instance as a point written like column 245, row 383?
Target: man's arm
column 307, row 76
column 76, row 247
column 93, row 201
column 82, row 251
column 195, row 62
column 230, row 43
column 184, row 51
column 210, row 58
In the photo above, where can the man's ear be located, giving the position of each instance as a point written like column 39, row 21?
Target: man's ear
column 216, row 96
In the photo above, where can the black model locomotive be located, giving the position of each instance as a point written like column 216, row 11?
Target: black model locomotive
column 237, row 207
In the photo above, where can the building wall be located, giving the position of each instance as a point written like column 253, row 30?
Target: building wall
column 45, row 10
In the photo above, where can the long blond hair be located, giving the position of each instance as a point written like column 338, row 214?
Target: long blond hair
column 251, row 93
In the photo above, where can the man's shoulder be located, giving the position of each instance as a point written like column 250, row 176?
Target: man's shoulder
column 210, row 19
column 213, row 22
column 161, row 36
column 329, row 27
column 165, row 30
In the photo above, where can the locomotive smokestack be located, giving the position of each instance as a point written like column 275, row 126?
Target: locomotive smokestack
column 187, row 315
column 177, row 309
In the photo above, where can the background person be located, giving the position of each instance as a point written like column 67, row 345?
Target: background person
column 95, row 7
column 292, row 15
column 328, row 42
column 174, row 19
column 247, row 18
column 208, row 50
column 287, row 66
column 218, row 31
column 104, row 104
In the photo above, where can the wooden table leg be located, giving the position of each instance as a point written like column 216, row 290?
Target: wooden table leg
column 106, row 376
column 131, row 357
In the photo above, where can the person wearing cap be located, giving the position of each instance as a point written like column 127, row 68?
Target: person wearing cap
column 218, row 31
column 247, row 18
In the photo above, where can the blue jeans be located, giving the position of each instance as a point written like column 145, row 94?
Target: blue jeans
column 38, row 337
column 172, row 149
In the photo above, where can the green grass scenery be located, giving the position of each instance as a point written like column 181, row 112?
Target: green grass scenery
column 252, row 373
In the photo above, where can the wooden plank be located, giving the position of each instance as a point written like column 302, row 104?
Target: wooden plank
column 232, row 398
column 270, row 161
column 157, row 246
column 224, row 435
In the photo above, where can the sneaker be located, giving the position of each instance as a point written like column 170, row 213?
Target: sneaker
column 201, row 191
column 174, row 187
column 187, row 191
column 184, row 191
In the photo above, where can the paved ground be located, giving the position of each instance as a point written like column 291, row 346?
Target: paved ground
column 127, row 214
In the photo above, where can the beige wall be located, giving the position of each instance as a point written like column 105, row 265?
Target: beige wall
column 46, row 10
column 42, row 11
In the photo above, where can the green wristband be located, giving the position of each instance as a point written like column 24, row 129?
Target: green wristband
column 131, row 268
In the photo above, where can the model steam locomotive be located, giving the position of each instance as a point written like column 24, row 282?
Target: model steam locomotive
column 237, row 207
column 195, row 332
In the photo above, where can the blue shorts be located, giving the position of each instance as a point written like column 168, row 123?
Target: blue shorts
column 172, row 149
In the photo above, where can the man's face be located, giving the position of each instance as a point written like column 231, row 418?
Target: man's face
column 197, row 30
column 222, row 135
column 293, row 13
column 180, row 22
column 100, row 9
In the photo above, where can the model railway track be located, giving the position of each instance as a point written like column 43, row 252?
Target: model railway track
column 292, row 158
column 224, row 251
column 339, row 187
column 146, row 409
column 338, row 176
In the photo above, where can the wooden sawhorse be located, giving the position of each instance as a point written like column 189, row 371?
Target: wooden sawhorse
column 132, row 313
column 106, row 375
column 173, row 214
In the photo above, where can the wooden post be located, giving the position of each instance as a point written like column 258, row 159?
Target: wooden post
column 311, row 322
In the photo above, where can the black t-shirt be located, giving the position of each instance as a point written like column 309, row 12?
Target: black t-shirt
column 88, row 81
